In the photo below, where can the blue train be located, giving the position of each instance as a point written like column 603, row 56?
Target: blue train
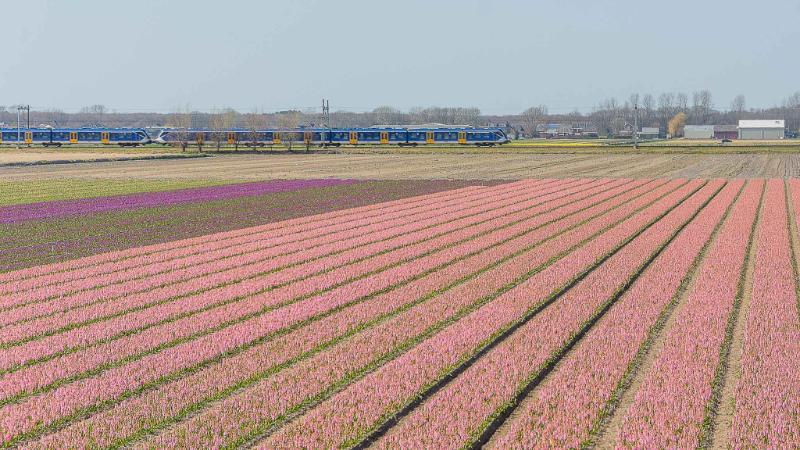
column 341, row 136
column 309, row 136
column 59, row 136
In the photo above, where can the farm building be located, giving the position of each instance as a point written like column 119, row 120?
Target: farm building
column 698, row 131
column 551, row 130
column 584, row 129
column 649, row 133
column 762, row 129
column 726, row 132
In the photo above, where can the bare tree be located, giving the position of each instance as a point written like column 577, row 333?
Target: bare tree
column 254, row 122
column 229, row 123
column 792, row 111
column 738, row 105
column 648, row 109
column 701, row 105
column 681, row 102
column 217, row 124
column 288, row 122
column 94, row 114
column 181, row 121
column 387, row 115
column 532, row 117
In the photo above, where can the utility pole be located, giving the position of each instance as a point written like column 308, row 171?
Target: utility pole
column 636, row 126
column 326, row 113
column 19, row 110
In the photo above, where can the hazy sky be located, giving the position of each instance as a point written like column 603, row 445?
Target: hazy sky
column 500, row 55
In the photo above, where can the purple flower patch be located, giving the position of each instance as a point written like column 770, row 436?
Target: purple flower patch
column 65, row 208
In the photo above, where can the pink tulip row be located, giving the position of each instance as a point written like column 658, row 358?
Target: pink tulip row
column 296, row 225
column 348, row 415
column 39, row 375
column 170, row 399
column 768, row 393
column 22, row 416
column 94, row 310
column 376, row 238
column 93, row 332
column 567, row 406
column 160, row 335
column 139, row 267
column 488, row 386
column 120, row 270
column 671, row 404
column 246, row 412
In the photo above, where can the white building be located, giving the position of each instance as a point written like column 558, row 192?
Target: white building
column 762, row 129
column 698, row 131
column 649, row 133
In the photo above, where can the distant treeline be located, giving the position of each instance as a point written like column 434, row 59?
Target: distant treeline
column 607, row 118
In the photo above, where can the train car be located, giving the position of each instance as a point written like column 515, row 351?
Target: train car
column 339, row 136
column 124, row 137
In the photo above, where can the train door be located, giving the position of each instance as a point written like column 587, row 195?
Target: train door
column 429, row 137
column 462, row 137
column 28, row 137
column 276, row 138
column 384, row 137
column 354, row 137
column 231, row 137
column 104, row 137
column 73, row 137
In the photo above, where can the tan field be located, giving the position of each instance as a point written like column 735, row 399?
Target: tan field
column 486, row 166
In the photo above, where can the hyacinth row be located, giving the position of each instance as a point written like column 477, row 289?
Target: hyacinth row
column 351, row 355
column 416, row 323
column 62, row 208
column 677, row 389
column 57, row 240
column 118, row 261
column 101, row 330
column 277, row 233
column 199, row 270
column 348, row 416
column 565, row 409
column 127, row 346
column 767, row 411
column 487, row 385
column 312, row 305
column 263, row 323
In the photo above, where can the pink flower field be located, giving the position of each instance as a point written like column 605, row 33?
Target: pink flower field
column 549, row 313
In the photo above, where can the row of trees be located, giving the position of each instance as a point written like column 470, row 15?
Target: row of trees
column 218, row 121
column 609, row 116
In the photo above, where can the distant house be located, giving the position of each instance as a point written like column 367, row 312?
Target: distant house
column 649, row 133
column 698, row 131
column 554, row 130
column 762, row 129
column 584, row 129
column 726, row 132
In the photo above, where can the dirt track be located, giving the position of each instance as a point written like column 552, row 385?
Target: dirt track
column 428, row 166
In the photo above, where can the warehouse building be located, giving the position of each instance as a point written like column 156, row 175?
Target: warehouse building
column 649, row 133
column 762, row 129
column 698, row 131
column 726, row 132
